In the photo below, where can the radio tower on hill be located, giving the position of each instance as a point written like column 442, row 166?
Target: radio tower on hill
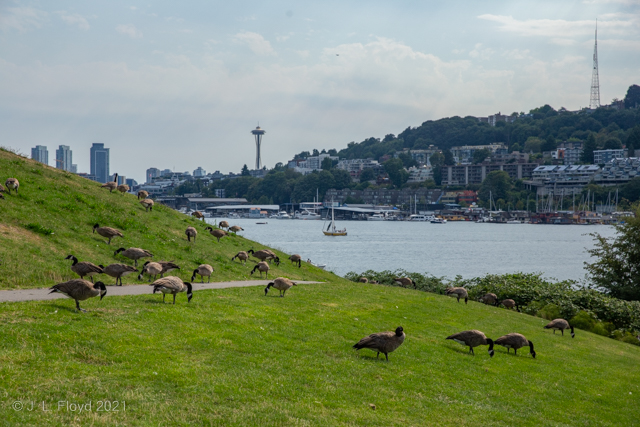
column 257, row 132
column 594, row 102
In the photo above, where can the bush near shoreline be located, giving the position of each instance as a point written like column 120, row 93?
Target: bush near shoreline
column 585, row 308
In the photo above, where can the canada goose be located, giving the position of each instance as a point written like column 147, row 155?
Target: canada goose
column 296, row 258
column 151, row 268
column 198, row 214
column 217, row 233
column 489, row 298
column 472, row 338
column 80, row 290
column 263, row 255
column 515, row 341
column 202, row 270
column 509, row 303
column 363, row 280
column 123, row 188
column 133, row 253
column 142, row 195
column 223, row 224
column 172, row 285
column 84, row 268
column 236, row 228
column 405, row 282
column 242, row 256
column 167, row 266
column 148, row 204
column 12, row 184
column 263, row 267
column 561, row 325
column 107, row 232
column 382, row 342
column 458, row 293
column 111, row 185
column 191, row 232
column 118, row 270
column 280, row 283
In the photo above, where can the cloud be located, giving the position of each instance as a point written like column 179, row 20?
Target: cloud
column 22, row 19
column 255, row 42
column 129, row 30
column 74, row 19
column 479, row 53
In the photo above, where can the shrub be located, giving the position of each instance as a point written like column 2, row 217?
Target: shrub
column 549, row 312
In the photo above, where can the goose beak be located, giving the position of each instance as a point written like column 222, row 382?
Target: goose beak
column 190, row 295
column 102, row 294
column 491, row 353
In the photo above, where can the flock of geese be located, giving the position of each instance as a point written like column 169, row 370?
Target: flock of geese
column 382, row 342
column 386, row 342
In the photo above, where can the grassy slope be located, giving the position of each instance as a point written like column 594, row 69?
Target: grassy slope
column 70, row 206
column 235, row 357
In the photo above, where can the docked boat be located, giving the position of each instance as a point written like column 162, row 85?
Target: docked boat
column 321, row 266
column 283, row 215
column 376, row 217
column 421, row 217
column 331, row 229
column 514, row 221
column 307, row 215
column 438, row 221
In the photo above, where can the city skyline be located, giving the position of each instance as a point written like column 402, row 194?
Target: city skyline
column 166, row 82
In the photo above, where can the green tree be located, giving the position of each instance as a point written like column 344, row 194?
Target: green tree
column 549, row 144
column 245, row 171
column 587, row 150
column 327, row 164
column 498, row 184
column 448, row 158
column 633, row 141
column 396, row 171
column 367, row 174
column 632, row 99
column 617, row 269
column 612, row 143
column 480, row 155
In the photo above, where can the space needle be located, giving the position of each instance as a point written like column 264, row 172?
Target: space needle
column 257, row 132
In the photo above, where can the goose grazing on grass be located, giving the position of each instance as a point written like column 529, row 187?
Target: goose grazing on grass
column 263, row 255
column 12, row 184
column 472, row 338
column 84, row 268
column 515, row 341
column 561, row 325
column 509, row 303
column 458, row 293
column 295, row 258
column 489, row 299
column 382, row 342
column 217, row 233
column 147, row 204
column 107, row 232
column 262, row 267
column 133, row 253
column 80, row 290
column 242, row 256
column 167, row 266
column 191, row 232
column 363, row 280
column 150, row 268
column 223, row 224
column 203, row 270
column 405, row 282
column 282, row 284
column 111, row 185
column 118, row 270
column 235, row 228
column 172, row 285
column 123, row 188
column 198, row 215
column 142, row 195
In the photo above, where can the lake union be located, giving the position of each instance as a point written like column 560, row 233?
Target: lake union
column 456, row 248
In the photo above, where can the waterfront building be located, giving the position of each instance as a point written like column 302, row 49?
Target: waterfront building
column 561, row 180
column 40, row 154
column 100, row 162
column 356, row 166
column 385, row 196
column 64, row 158
column 618, row 171
column 601, row 157
column 475, row 174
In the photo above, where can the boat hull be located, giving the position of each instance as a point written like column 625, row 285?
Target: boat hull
column 335, row 233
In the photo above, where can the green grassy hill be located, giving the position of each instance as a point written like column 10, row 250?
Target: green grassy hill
column 53, row 216
column 235, row 357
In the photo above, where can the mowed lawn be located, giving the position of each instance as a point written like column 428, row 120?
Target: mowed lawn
column 236, row 357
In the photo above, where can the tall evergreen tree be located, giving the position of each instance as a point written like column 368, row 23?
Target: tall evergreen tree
column 587, row 150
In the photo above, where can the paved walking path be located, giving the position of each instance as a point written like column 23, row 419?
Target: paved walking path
column 43, row 294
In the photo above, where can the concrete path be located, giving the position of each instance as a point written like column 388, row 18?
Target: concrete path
column 43, row 294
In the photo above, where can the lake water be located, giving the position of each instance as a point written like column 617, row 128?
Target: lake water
column 457, row 248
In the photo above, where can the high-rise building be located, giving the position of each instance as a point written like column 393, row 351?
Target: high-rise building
column 152, row 173
column 40, row 154
column 100, row 162
column 198, row 173
column 64, row 158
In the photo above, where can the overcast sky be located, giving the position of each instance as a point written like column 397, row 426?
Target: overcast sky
column 181, row 84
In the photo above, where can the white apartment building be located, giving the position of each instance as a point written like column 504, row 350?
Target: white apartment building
column 601, row 157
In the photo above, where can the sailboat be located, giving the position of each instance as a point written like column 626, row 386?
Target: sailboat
column 331, row 229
